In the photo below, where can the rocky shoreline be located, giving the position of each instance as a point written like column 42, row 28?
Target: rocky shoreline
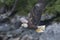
column 12, row 30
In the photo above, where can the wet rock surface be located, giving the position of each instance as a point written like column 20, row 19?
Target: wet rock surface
column 12, row 30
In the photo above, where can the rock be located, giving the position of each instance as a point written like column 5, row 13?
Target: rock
column 47, row 16
column 14, row 38
column 52, row 32
column 4, row 28
column 23, row 20
column 14, row 31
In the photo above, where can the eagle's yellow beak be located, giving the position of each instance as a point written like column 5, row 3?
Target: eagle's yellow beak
column 40, row 29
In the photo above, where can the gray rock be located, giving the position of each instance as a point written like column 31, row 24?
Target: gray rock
column 52, row 32
column 47, row 16
column 13, row 29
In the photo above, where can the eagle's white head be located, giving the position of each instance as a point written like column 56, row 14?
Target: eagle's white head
column 24, row 25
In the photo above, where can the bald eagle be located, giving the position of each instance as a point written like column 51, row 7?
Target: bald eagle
column 35, row 14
